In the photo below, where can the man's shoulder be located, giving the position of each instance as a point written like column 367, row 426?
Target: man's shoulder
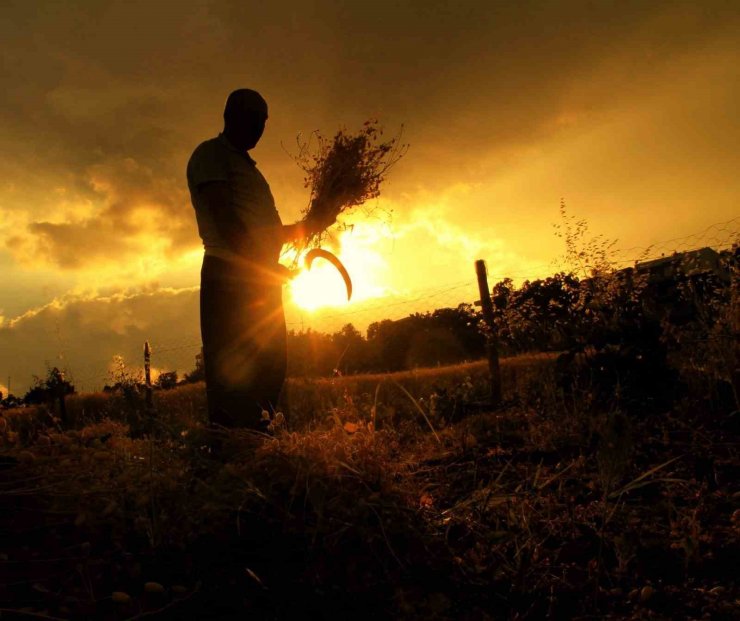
column 208, row 148
column 208, row 162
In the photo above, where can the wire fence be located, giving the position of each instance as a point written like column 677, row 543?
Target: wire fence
column 718, row 236
column 179, row 354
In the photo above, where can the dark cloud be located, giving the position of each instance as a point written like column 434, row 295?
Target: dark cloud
column 90, row 87
column 626, row 108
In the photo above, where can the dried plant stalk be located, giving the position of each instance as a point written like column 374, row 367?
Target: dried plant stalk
column 344, row 172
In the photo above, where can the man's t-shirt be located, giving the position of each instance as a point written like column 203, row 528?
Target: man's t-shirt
column 218, row 160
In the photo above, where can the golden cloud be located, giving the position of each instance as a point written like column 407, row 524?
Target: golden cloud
column 82, row 333
column 138, row 214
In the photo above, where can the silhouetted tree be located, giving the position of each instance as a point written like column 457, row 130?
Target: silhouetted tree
column 198, row 374
column 445, row 336
column 50, row 391
column 311, row 353
column 167, row 380
column 11, row 401
column 354, row 355
column 538, row 316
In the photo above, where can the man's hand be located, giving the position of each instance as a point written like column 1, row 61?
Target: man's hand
column 294, row 232
column 305, row 228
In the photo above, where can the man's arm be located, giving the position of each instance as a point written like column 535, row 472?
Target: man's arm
column 216, row 197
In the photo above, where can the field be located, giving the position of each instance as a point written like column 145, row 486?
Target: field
column 384, row 496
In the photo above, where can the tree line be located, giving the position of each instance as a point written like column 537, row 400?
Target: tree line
column 645, row 314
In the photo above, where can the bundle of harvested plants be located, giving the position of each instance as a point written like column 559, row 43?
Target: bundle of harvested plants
column 344, row 172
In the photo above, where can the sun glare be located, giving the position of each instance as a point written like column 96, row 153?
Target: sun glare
column 322, row 286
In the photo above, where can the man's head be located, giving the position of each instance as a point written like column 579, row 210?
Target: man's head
column 244, row 118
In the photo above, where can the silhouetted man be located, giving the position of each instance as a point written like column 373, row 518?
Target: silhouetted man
column 241, row 313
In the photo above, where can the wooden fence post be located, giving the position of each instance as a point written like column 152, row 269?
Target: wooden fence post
column 148, row 375
column 62, row 408
column 491, row 339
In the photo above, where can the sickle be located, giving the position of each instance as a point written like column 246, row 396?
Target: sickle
column 315, row 253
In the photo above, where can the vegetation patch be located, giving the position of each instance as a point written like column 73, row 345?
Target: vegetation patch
column 538, row 508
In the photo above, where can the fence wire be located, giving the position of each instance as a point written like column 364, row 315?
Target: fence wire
column 179, row 354
column 718, row 236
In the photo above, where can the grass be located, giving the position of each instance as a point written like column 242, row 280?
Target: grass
column 358, row 509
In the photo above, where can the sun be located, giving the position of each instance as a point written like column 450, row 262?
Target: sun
column 322, row 286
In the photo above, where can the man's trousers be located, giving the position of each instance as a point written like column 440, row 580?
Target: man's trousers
column 244, row 342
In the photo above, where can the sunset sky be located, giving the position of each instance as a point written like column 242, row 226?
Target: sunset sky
column 626, row 110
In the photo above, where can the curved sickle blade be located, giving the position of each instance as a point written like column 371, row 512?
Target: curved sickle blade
column 316, row 253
